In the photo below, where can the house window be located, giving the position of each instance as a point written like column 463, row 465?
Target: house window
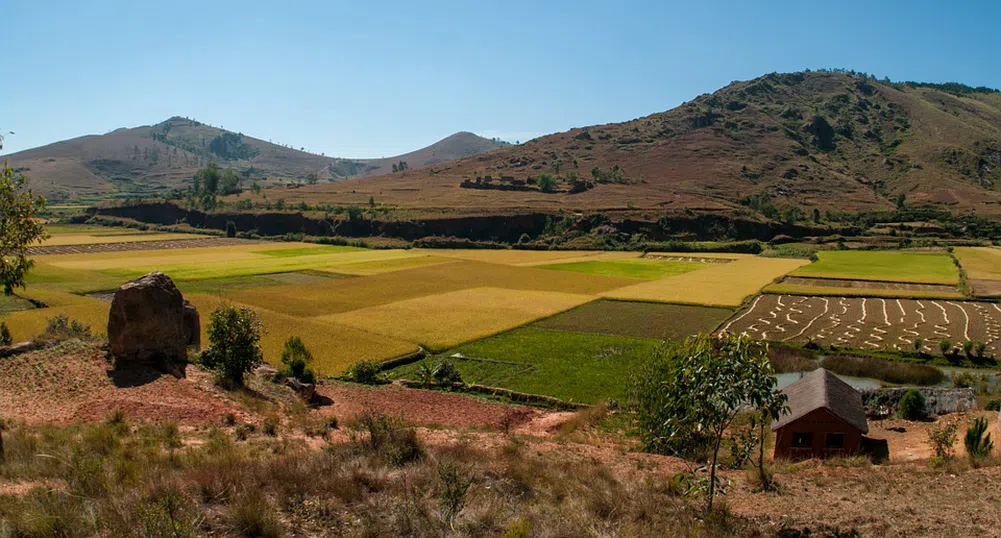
column 802, row 440
column 835, row 440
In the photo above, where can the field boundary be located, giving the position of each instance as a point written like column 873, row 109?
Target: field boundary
column 517, row 397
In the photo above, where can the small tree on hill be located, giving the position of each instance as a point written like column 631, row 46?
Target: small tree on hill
column 18, row 228
column 230, row 229
column 689, row 395
column 296, row 358
column 235, row 348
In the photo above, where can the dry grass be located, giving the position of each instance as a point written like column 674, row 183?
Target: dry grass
column 448, row 319
column 721, row 285
column 389, row 266
column 528, row 257
column 980, row 263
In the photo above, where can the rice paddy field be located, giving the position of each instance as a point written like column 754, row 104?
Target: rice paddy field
column 887, row 266
column 569, row 324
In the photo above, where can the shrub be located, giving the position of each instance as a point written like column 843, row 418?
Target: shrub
column 253, row 516
column 62, row 327
column 235, row 349
column 5, row 338
column 445, row 372
column 911, row 406
column 981, row 349
column 968, row 348
column 366, row 372
column 945, row 346
column 941, row 440
column 296, row 358
column 270, row 426
column 993, row 405
column 454, row 487
column 918, row 344
column 391, row 438
column 978, row 441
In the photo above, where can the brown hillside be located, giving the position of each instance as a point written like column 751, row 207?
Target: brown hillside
column 154, row 159
column 809, row 140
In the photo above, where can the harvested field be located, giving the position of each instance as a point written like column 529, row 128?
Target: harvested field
column 645, row 269
column 123, row 236
column 572, row 366
column 868, row 284
column 448, row 319
column 720, row 285
column 638, row 319
column 389, row 266
column 885, row 265
column 794, row 285
column 985, row 288
column 522, row 257
column 869, row 323
column 345, row 295
column 144, row 242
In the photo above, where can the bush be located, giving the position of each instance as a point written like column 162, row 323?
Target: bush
column 62, row 327
column 391, row 438
column 366, row 372
column 235, row 348
column 978, row 441
column 993, row 405
column 911, row 406
column 230, row 229
column 296, row 358
column 5, row 338
column 945, row 347
column 454, row 487
column 446, row 373
column 968, row 348
column 941, row 440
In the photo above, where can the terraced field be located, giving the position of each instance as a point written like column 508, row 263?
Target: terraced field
column 886, row 266
column 869, row 323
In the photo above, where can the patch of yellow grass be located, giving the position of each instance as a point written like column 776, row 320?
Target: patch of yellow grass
column 980, row 263
column 387, row 266
column 167, row 257
column 28, row 324
column 800, row 289
column 70, row 239
column 720, row 285
column 47, row 276
column 334, row 347
column 512, row 256
column 343, row 295
column 449, row 319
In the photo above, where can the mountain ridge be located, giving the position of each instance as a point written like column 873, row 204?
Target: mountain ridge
column 153, row 160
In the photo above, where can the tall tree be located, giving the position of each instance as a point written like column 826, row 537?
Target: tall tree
column 18, row 228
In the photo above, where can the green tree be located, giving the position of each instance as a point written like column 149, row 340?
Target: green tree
column 5, row 337
column 546, row 182
column 207, row 179
column 312, row 178
column 229, row 182
column 688, row 395
column 234, row 343
column 296, row 358
column 230, row 229
column 18, row 228
column 911, row 406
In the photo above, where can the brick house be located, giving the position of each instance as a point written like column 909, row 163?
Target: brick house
column 825, row 419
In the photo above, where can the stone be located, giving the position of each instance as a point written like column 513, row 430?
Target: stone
column 304, row 390
column 151, row 323
column 192, row 326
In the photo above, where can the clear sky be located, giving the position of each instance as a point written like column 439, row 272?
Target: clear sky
column 379, row 78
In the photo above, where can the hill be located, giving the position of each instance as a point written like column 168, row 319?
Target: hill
column 155, row 159
column 779, row 145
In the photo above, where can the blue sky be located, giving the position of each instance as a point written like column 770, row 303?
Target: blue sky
column 372, row 79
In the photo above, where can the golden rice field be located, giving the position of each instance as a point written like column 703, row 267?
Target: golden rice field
column 724, row 284
column 119, row 236
column 445, row 320
column 351, row 304
column 980, row 263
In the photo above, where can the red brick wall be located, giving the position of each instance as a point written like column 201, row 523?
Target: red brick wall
column 819, row 423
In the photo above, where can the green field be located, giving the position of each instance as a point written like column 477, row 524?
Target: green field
column 13, row 303
column 638, row 268
column 572, row 366
column 889, row 266
column 305, row 251
column 639, row 320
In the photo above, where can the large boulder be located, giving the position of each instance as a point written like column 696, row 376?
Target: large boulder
column 151, row 323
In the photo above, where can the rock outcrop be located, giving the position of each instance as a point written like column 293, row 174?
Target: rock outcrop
column 151, row 323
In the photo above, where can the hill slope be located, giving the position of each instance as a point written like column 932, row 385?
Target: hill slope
column 824, row 140
column 152, row 160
